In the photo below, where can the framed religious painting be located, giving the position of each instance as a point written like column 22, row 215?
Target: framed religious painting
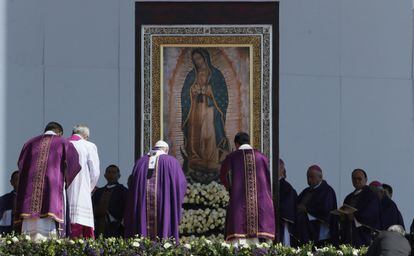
column 204, row 72
column 204, row 84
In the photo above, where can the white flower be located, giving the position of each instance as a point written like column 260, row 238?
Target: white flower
column 15, row 239
column 135, row 244
column 309, row 253
column 71, row 241
column 225, row 245
column 80, row 241
column 355, row 252
column 340, row 253
column 167, row 245
column 263, row 245
column 246, row 246
column 26, row 237
column 8, row 242
column 188, row 246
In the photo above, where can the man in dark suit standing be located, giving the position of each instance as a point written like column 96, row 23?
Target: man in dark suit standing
column 390, row 243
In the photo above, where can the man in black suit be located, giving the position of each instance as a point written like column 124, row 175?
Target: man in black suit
column 390, row 243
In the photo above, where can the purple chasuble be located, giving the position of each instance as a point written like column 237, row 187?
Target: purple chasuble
column 45, row 163
column 155, row 198
column 250, row 212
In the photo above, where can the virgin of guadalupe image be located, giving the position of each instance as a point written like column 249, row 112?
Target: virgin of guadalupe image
column 204, row 102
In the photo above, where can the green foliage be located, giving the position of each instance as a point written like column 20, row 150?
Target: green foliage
column 22, row 245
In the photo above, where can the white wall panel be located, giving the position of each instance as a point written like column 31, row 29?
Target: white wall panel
column 24, row 118
column 86, row 96
column 25, row 32
column 309, row 127
column 127, row 34
column 378, row 135
column 309, row 37
column 82, row 33
column 127, row 122
column 376, row 37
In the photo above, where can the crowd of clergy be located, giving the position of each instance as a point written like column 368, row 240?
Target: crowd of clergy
column 314, row 215
column 55, row 195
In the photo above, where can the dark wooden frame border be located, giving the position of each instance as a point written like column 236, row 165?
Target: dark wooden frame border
column 180, row 13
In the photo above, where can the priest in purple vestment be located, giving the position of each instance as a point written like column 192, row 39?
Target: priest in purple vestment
column 390, row 214
column 47, row 164
column 155, row 196
column 315, row 203
column 287, row 208
column 7, row 205
column 358, row 228
column 250, row 214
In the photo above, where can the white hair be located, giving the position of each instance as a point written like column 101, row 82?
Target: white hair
column 397, row 228
column 82, row 130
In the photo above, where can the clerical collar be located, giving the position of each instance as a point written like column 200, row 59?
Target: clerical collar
column 50, row 133
column 112, row 185
column 357, row 191
column 245, row 146
column 315, row 187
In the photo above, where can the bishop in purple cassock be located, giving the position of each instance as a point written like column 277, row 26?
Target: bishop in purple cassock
column 390, row 214
column 250, row 214
column 155, row 196
column 47, row 163
column 314, row 221
column 358, row 228
column 288, row 198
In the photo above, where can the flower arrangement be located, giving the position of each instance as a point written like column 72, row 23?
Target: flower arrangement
column 202, row 220
column 204, row 210
column 213, row 195
column 22, row 245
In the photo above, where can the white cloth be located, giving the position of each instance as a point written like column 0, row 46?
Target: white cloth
column 357, row 223
column 245, row 146
column 79, row 192
column 39, row 228
column 154, row 154
column 286, row 234
column 242, row 241
column 50, row 133
column 6, row 219
column 161, row 144
column 323, row 230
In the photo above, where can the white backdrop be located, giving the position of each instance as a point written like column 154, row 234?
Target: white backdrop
column 346, row 87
